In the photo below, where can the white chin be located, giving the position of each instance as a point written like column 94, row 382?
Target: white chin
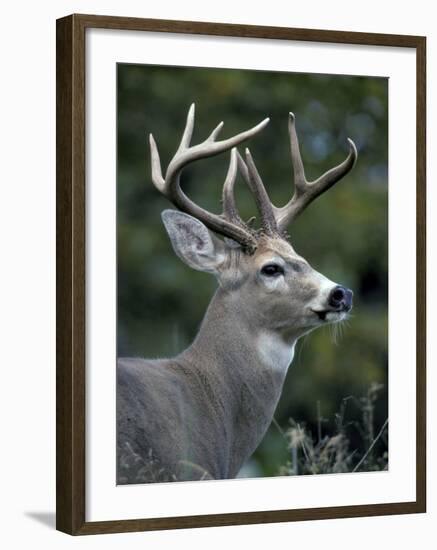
column 335, row 316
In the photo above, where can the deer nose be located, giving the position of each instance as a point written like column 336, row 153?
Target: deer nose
column 341, row 298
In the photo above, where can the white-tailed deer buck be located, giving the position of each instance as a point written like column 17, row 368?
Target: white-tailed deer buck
column 203, row 413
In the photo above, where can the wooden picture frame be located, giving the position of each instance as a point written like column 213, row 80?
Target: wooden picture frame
column 71, row 257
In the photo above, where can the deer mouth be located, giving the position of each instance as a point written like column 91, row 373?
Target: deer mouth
column 321, row 314
column 334, row 315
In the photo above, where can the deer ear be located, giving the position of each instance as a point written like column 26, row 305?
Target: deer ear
column 193, row 242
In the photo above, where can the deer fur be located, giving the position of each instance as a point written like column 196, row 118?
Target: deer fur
column 201, row 414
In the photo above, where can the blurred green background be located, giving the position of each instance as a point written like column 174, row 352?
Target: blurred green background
column 161, row 302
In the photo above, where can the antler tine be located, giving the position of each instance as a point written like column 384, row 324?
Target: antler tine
column 296, row 159
column 158, row 180
column 306, row 191
column 170, row 185
column 188, row 130
column 230, row 211
column 262, row 200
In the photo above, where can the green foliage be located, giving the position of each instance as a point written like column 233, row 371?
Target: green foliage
column 344, row 234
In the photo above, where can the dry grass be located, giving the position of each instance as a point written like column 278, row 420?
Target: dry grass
column 319, row 453
column 332, row 453
column 132, row 468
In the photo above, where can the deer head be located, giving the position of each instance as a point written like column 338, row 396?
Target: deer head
column 258, row 269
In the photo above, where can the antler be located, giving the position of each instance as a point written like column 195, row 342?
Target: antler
column 253, row 179
column 229, row 222
column 306, row 191
column 274, row 219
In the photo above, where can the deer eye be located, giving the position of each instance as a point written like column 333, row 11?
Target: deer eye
column 272, row 270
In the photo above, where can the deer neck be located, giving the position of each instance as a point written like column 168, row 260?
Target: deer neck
column 244, row 367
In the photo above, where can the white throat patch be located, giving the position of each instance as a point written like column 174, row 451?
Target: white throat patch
column 274, row 352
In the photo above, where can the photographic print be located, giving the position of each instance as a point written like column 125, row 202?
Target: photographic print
column 252, row 274
column 240, row 300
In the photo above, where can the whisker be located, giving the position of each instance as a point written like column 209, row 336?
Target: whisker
column 303, row 341
column 337, row 329
column 333, row 333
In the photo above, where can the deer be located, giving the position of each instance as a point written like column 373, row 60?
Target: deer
column 202, row 414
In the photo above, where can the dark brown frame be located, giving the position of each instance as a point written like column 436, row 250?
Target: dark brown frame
column 70, row 206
